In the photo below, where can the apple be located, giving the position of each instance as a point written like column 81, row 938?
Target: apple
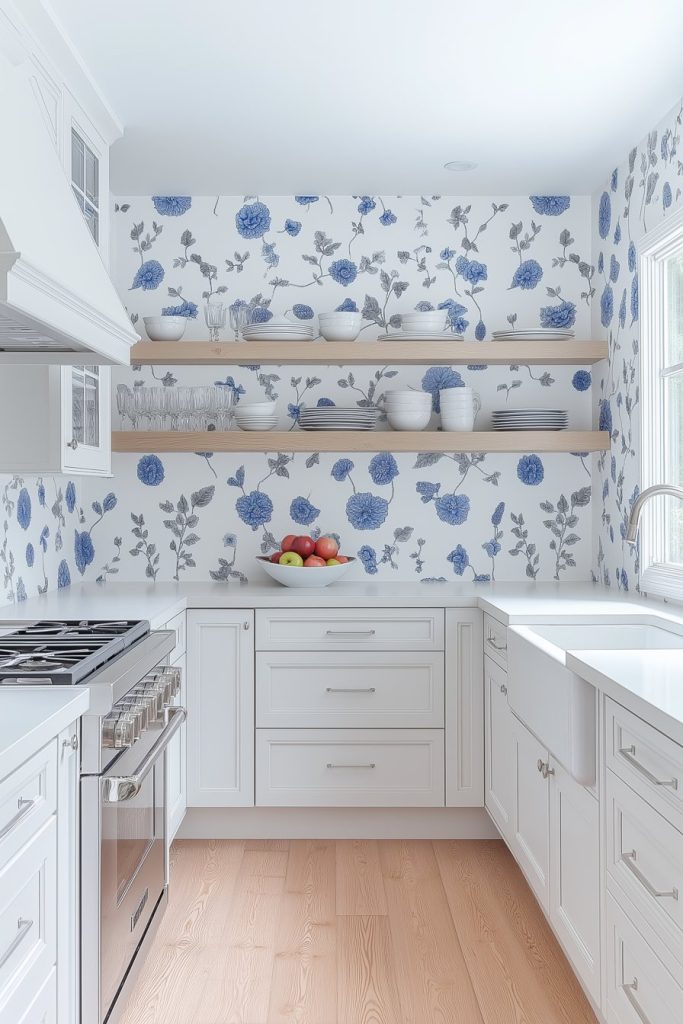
column 314, row 561
column 326, row 547
column 276, row 556
column 291, row 558
column 342, row 559
column 303, row 546
column 287, row 542
column 332, row 561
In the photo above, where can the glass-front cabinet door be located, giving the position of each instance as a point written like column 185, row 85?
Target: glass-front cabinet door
column 86, row 422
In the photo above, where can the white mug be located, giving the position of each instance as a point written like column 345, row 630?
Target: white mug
column 460, row 414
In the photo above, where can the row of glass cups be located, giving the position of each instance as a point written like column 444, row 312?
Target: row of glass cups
column 174, row 408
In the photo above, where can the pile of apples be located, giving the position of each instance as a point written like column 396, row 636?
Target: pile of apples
column 308, row 552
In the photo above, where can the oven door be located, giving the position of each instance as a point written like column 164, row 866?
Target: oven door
column 124, row 870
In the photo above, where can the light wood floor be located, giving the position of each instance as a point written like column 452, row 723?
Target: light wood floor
column 353, row 932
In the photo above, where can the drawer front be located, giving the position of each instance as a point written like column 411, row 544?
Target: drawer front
column 27, row 799
column 343, row 629
column 648, row 761
column 365, row 690
column 179, row 626
column 495, row 640
column 349, row 768
column 34, row 1002
column 640, row 990
column 28, row 920
column 645, row 856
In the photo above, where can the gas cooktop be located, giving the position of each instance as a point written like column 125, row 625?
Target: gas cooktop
column 64, row 652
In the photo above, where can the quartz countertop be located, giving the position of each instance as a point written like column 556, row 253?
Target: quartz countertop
column 31, row 716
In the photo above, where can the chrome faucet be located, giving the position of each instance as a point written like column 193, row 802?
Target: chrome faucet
column 649, row 492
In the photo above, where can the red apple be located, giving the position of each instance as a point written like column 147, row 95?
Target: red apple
column 326, row 547
column 313, row 561
column 342, row 559
column 287, row 542
column 276, row 556
column 303, row 546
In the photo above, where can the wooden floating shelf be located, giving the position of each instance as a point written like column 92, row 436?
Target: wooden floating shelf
column 343, row 353
column 360, row 441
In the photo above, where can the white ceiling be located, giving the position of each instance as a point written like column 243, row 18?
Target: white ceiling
column 374, row 96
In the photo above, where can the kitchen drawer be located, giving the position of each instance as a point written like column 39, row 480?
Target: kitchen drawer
column 647, row 760
column 28, row 918
column 361, row 689
column 645, row 857
column 349, row 768
column 495, row 640
column 640, row 990
column 34, row 1002
column 27, row 799
column 179, row 626
column 341, row 629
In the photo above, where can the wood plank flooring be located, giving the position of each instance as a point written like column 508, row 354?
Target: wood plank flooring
column 353, row 932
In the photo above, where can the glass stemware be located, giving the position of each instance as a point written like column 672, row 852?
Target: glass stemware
column 215, row 316
column 238, row 317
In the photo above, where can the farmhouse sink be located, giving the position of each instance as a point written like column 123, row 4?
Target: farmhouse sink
column 610, row 636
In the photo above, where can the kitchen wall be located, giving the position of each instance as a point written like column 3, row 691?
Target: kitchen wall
column 638, row 194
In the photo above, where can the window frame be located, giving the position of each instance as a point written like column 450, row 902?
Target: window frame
column 80, row 193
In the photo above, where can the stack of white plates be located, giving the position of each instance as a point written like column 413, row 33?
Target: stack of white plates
column 279, row 329
column 422, row 336
column 529, row 419
column 256, row 416
column 328, row 417
column 533, row 334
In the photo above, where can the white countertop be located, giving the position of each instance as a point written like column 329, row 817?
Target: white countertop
column 31, row 716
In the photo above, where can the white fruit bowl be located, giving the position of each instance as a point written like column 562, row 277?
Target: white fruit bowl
column 302, row 576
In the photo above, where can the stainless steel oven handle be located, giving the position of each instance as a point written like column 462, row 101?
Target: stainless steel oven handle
column 117, row 788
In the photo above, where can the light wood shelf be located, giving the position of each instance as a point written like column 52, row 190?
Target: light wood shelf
column 359, row 441
column 342, row 353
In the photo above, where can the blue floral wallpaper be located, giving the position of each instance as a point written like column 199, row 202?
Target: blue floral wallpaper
column 639, row 193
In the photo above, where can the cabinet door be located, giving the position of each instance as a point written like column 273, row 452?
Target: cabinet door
column 176, row 764
column 220, row 708
column 499, row 749
column 575, row 874
column 68, row 900
column 86, row 420
column 464, row 708
column 531, row 813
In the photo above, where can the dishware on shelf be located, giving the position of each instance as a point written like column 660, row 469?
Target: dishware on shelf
column 529, row 419
column 305, row 576
column 278, row 329
column 175, row 408
column 165, row 328
column 459, row 408
column 408, row 419
column 257, row 424
column 422, row 336
column 339, row 326
column 338, row 418
column 431, row 320
column 534, row 334
column 238, row 313
column 408, row 409
column 215, row 315
column 256, row 415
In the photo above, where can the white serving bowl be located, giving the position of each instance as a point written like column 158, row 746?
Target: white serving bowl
column 259, row 425
column 255, row 407
column 342, row 316
column 431, row 320
column 408, row 420
column 303, row 576
column 335, row 329
column 165, row 328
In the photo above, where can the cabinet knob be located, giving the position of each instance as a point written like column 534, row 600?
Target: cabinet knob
column 503, row 688
column 73, row 444
column 72, row 742
column 246, row 625
column 544, row 768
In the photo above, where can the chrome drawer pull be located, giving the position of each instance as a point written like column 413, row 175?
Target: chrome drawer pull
column 24, row 807
column 497, row 647
column 628, row 991
column 628, row 753
column 349, row 689
column 349, row 632
column 629, row 860
column 370, row 765
column 23, row 928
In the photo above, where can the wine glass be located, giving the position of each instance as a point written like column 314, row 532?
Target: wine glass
column 215, row 315
column 238, row 317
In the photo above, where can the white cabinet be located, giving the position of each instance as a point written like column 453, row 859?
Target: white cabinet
column 464, row 708
column 220, row 708
column 499, row 749
column 176, row 763
column 531, row 820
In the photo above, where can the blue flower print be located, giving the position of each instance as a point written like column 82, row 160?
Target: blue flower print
column 292, row 227
column 150, row 470
column 617, row 233
column 427, row 490
column 447, row 254
column 347, row 306
column 550, row 206
column 498, row 513
column 302, row 311
column 667, row 197
column 255, row 509
column 530, row 470
column 21, row 590
column 601, row 263
column 185, row 308
column 260, row 315
column 324, row 401
column 41, row 494
column 172, row 206
column 253, row 220
column 614, row 180
column 480, row 331
column 527, row 275
column 631, row 257
column 343, row 271
column 302, row 511
column 84, row 550
column 366, row 511
column 438, row 378
column 614, row 268
column 604, row 215
column 63, row 575
column 368, row 557
column 423, row 306
column 491, row 547
column 341, row 469
column 459, row 559
column 383, row 468
column 30, row 555
column 387, row 218
column 605, row 417
column 70, row 496
column 634, row 298
column 306, row 200
column 606, row 306
column 366, row 205
column 622, row 309
column 581, row 381
column 472, row 271
column 24, row 509
column 452, row 508
column 270, row 257
column 560, row 316
column 148, row 276
column 294, row 411
column 455, row 319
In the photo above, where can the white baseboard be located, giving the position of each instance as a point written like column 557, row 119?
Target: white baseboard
column 336, row 823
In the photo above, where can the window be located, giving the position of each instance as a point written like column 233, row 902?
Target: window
column 85, row 182
column 661, row 361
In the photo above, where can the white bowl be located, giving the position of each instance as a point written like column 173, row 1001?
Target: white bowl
column 264, row 407
column 334, row 330
column 258, row 426
column 305, row 576
column 408, row 420
column 427, row 321
column 165, row 328
column 341, row 316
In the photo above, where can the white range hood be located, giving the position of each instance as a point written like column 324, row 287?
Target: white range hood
column 56, row 297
